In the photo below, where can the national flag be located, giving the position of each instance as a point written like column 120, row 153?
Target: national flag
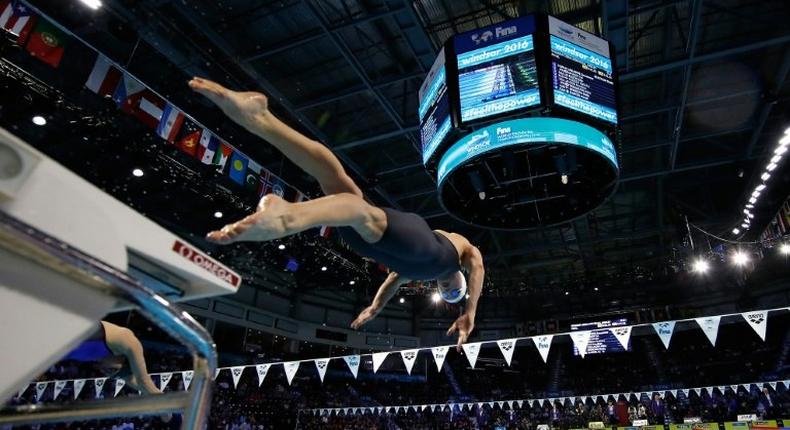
column 325, row 231
column 104, row 77
column 208, row 147
column 222, row 156
column 238, row 167
column 170, row 123
column 17, row 18
column 265, row 185
column 253, row 176
column 134, row 98
column 278, row 186
column 128, row 93
column 190, row 135
column 47, row 43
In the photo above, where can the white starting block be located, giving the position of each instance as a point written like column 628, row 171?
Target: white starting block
column 47, row 307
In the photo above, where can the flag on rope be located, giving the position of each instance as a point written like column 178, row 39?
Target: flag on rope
column 17, row 18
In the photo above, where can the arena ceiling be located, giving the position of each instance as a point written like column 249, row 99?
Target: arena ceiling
column 703, row 93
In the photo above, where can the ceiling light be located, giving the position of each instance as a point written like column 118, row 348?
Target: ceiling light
column 756, row 193
column 780, row 150
column 402, row 300
column 784, row 249
column 735, row 231
column 776, row 158
column 596, row 288
column 701, row 266
column 785, row 140
column 765, row 176
column 281, row 247
column 352, row 282
column 323, row 268
column 217, row 214
column 749, row 206
column 760, row 187
column 93, row 4
column 744, row 225
column 39, row 120
column 750, row 215
column 436, row 297
column 753, row 200
column 746, row 211
column 787, row 130
column 564, row 179
column 770, row 167
column 567, row 293
column 739, row 258
column 137, row 173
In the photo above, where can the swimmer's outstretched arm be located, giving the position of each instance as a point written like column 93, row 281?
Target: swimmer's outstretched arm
column 122, row 341
column 386, row 292
column 472, row 261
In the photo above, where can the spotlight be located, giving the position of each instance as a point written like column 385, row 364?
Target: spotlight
column 785, row 140
column 765, row 176
column 596, row 288
column 750, row 215
column 564, row 179
column 93, row 4
column 700, row 266
column 402, row 300
column 746, row 211
column 735, row 231
column 481, row 195
column 352, row 282
column 39, row 120
column 739, row 258
column 137, row 173
column 784, row 249
column 750, row 206
column 323, row 268
column 567, row 293
column 218, row 214
column 281, row 247
column 436, row 297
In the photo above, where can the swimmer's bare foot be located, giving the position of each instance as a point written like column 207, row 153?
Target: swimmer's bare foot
column 269, row 222
column 245, row 108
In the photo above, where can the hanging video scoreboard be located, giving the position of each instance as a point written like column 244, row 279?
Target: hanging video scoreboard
column 434, row 108
column 601, row 339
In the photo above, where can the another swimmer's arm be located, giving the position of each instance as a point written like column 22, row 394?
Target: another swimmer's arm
column 386, row 291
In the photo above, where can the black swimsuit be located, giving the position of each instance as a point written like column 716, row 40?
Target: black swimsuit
column 408, row 247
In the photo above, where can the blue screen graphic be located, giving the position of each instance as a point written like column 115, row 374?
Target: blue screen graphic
column 498, row 78
column 434, row 111
column 601, row 338
column 520, row 132
column 582, row 80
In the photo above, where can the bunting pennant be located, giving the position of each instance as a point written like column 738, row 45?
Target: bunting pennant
column 352, row 361
column 59, row 386
column 758, row 320
column 170, row 123
column 222, row 155
column 321, row 365
column 773, row 385
column 507, row 347
column 104, row 77
column 543, row 343
column 253, row 176
column 709, row 326
column 664, row 331
column 238, row 167
column 216, row 372
column 378, row 358
column 439, row 354
column 22, row 391
column 119, row 384
column 190, row 136
column 207, row 147
column 78, row 384
column 685, row 392
column 580, row 341
column 236, row 372
column 471, row 350
column 290, row 370
column 98, row 384
column 186, row 378
column 164, row 379
column 409, row 357
column 40, row 388
column 623, row 334
column 261, row 370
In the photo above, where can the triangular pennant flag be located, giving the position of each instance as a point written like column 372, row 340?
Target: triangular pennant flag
column 773, row 385
column 584, row 399
column 480, row 405
column 491, row 405
column 543, row 343
column 758, row 320
column 500, row 403
column 710, row 326
column 519, row 403
column 59, row 386
column 471, row 350
column 722, row 388
column 623, row 334
column 164, row 379
column 787, row 384
column 580, row 341
column 22, row 391
column 507, row 346
column 439, row 354
column 236, row 372
column 398, row 409
column 409, row 357
column 119, row 384
column 510, row 404
column 98, row 384
column 664, row 330
column 698, row 391
column 40, row 388
column 261, row 370
column 352, row 361
column 536, row 403
column 216, row 373
column 321, row 364
column 290, row 370
column 78, row 384
column 378, row 358
column 186, row 378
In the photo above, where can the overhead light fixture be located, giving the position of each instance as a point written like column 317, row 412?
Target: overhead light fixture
column 436, row 297
column 218, row 214
column 776, row 158
column 770, row 167
column 750, row 216
column 402, row 300
column 567, row 293
column 753, row 200
column 756, row 193
column 137, row 173
column 352, row 282
column 749, row 206
column 784, row 249
column 735, row 231
column 739, row 258
column 744, row 225
column 760, row 187
column 281, row 247
column 780, row 150
column 746, row 211
column 765, row 176
column 700, row 266
column 596, row 288
column 785, row 140
column 93, row 4
column 323, row 268
column 39, row 120
column 564, row 179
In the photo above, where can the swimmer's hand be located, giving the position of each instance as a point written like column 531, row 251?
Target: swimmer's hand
column 245, row 108
column 464, row 326
column 366, row 315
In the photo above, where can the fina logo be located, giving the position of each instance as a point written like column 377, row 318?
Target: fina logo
column 498, row 33
column 663, row 328
column 482, row 38
column 543, row 342
column 477, row 142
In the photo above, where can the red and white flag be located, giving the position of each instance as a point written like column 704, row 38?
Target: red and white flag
column 325, row 231
column 104, row 77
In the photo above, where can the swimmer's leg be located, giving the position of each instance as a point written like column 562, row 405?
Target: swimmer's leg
column 251, row 110
column 122, row 341
column 276, row 218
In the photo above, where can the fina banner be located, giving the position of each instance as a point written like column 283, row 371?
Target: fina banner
column 378, row 358
column 321, row 365
column 164, row 379
column 186, row 377
column 773, row 385
column 98, row 384
column 623, row 334
column 581, row 339
column 59, row 386
column 78, row 384
column 40, row 388
column 507, row 347
column 439, row 354
column 664, row 330
column 409, row 357
column 734, row 388
column 261, row 370
column 236, row 372
column 543, row 343
column 685, row 392
column 710, row 326
column 119, row 384
column 471, row 350
column 290, row 370
column 352, row 361
column 758, row 320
